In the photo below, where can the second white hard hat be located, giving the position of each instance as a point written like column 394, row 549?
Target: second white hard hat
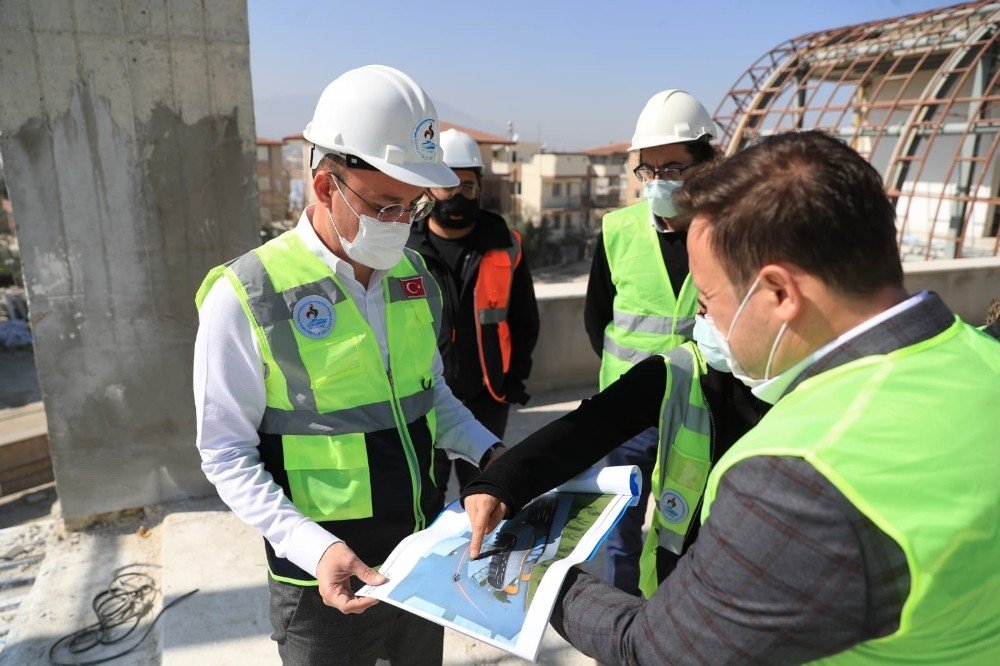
column 382, row 116
column 671, row 116
column 460, row 150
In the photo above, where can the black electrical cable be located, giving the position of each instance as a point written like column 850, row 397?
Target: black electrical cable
column 119, row 608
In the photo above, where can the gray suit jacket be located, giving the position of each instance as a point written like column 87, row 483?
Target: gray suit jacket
column 785, row 570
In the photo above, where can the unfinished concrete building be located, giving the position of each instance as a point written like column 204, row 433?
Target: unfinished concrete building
column 916, row 95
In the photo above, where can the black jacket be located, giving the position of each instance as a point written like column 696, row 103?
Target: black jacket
column 457, row 342
column 571, row 444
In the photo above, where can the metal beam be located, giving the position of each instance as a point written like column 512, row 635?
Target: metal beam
column 948, row 129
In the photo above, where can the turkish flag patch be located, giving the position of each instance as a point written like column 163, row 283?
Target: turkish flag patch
column 413, row 287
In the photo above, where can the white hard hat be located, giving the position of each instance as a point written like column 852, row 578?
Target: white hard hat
column 382, row 116
column 671, row 116
column 460, row 150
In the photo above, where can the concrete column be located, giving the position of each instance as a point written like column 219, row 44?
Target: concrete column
column 126, row 129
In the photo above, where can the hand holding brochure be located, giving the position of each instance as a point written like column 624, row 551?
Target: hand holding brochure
column 506, row 597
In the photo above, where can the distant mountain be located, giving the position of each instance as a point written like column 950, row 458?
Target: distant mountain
column 281, row 115
column 454, row 116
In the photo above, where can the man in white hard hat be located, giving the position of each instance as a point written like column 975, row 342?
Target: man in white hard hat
column 318, row 381
column 640, row 299
column 489, row 315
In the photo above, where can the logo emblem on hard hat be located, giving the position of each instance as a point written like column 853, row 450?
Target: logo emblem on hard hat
column 673, row 507
column 313, row 317
column 423, row 139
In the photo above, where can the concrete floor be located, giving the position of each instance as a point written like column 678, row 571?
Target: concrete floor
column 199, row 544
column 29, row 506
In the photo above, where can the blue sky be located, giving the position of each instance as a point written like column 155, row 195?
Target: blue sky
column 574, row 74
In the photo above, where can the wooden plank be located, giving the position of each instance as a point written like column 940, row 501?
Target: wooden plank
column 24, row 448
column 27, row 450
column 20, row 423
column 26, row 476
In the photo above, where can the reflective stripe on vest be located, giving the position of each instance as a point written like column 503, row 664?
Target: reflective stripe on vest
column 626, row 354
column 910, row 439
column 647, row 317
column 629, row 323
column 669, row 326
column 492, row 301
column 363, row 418
column 683, row 460
column 326, row 390
column 272, row 311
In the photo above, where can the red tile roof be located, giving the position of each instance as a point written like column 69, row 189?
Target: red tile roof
column 478, row 136
column 609, row 149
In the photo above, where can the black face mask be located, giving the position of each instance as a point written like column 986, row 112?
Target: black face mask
column 467, row 211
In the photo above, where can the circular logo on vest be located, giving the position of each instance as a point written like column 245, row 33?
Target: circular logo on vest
column 424, row 135
column 673, row 507
column 313, row 316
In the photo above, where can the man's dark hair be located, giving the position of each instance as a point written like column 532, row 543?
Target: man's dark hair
column 332, row 163
column 700, row 151
column 804, row 198
column 336, row 163
column 477, row 170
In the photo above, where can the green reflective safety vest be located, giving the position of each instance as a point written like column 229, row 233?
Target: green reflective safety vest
column 683, row 460
column 350, row 444
column 647, row 317
column 911, row 439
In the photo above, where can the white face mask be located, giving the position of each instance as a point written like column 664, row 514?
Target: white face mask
column 723, row 344
column 660, row 195
column 377, row 245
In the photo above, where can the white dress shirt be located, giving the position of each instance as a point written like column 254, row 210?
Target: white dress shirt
column 229, row 404
column 774, row 388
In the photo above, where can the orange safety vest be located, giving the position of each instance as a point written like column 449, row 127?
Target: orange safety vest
column 492, row 299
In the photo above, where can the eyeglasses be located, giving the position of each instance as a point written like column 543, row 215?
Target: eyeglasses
column 468, row 190
column 645, row 173
column 394, row 212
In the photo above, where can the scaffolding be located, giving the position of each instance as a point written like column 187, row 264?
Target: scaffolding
column 916, row 95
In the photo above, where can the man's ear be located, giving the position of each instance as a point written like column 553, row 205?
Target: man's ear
column 783, row 291
column 323, row 188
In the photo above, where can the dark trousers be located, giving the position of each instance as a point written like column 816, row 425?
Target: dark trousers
column 308, row 632
column 493, row 415
column 624, row 545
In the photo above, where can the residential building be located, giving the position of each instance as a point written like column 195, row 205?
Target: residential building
column 555, row 193
column 632, row 192
column 609, row 178
column 507, row 158
column 296, row 156
column 506, row 163
column 272, row 181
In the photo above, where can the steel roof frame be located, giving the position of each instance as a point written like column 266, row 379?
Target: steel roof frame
column 818, row 80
